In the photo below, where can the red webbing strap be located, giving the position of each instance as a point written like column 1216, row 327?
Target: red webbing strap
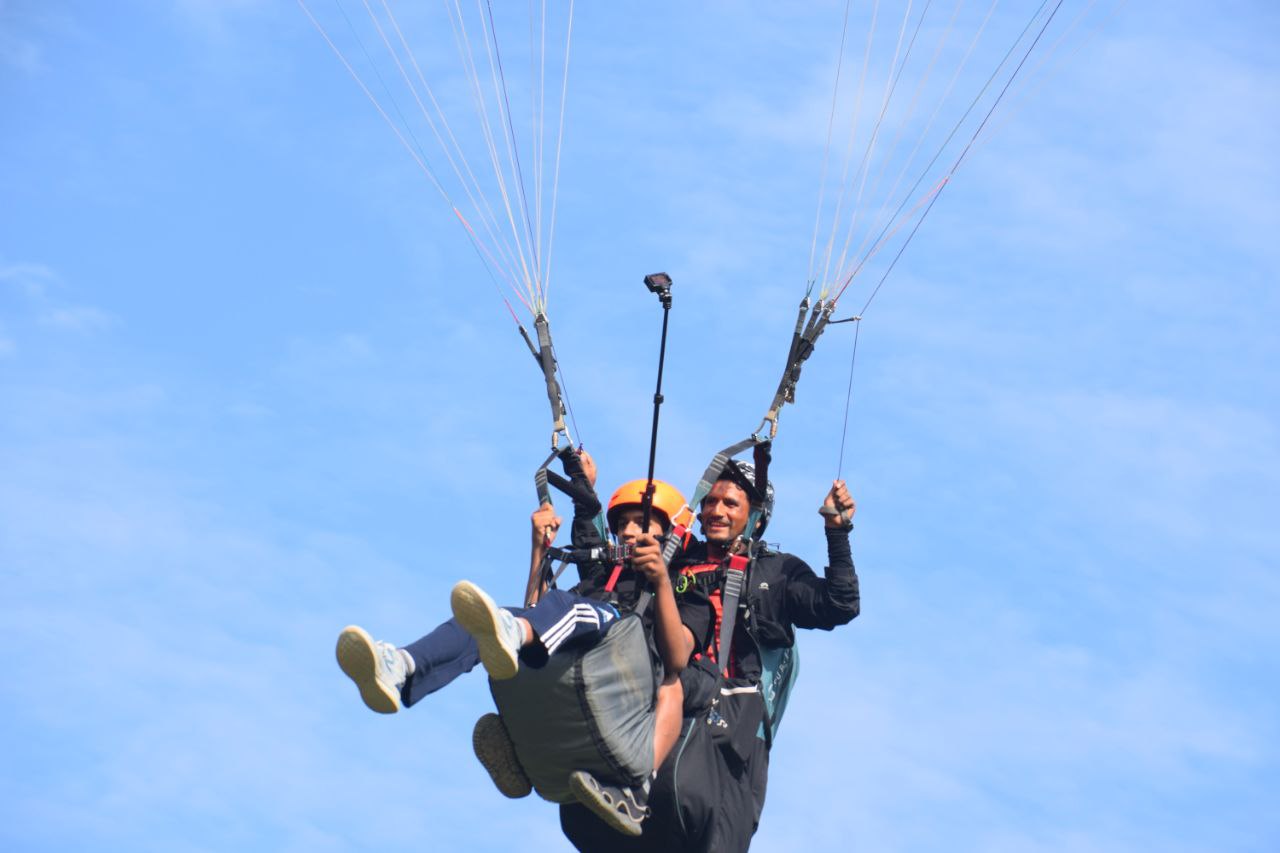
column 734, row 582
column 680, row 534
column 613, row 578
column 718, row 606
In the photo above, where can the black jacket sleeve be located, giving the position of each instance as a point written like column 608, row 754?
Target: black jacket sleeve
column 814, row 602
column 587, row 530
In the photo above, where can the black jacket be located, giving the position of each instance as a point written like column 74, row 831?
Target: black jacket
column 782, row 594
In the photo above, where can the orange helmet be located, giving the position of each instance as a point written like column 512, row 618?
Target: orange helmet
column 667, row 501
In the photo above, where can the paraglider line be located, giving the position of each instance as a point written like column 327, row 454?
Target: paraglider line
column 419, row 159
column 470, row 184
column 864, row 167
column 844, row 433
column 555, row 177
column 465, row 51
column 826, row 151
column 898, row 135
column 960, row 122
column 885, row 238
column 515, row 148
column 963, row 154
column 1056, row 68
column 568, row 404
column 480, row 247
column 381, row 81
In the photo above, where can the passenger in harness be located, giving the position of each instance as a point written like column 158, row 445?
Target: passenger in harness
column 532, row 716
column 504, row 639
column 709, row 794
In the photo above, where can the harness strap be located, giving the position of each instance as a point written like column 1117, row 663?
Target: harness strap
column 540, row 478
column 613, row 578
column 556, row 577
column 734, row 582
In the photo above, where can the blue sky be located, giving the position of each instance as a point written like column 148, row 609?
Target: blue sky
column 255, row 386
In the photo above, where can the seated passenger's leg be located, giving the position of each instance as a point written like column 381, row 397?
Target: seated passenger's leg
column 438, row 658
column 379, row 669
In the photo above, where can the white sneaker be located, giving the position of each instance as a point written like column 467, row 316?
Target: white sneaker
column 494, row 629
column 497, row 753
column 377, row 668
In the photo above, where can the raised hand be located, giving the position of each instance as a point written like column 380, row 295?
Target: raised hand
column 838, row 507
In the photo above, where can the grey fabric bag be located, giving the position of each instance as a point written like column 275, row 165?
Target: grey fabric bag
column 589, row 709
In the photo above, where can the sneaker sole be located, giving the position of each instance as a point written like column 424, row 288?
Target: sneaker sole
column 358, row 658
column 589, row 794
column 493, row 747
column 478, row 616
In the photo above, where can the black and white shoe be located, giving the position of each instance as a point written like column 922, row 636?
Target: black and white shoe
column 623, row 809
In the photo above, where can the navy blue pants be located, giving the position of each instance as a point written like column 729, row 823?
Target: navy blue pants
column 448, row 651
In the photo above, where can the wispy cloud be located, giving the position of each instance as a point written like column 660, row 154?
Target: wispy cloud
column 77, row 318
column 41, row 297
column 32, row 280
column 217, row 19
column 20, row 48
